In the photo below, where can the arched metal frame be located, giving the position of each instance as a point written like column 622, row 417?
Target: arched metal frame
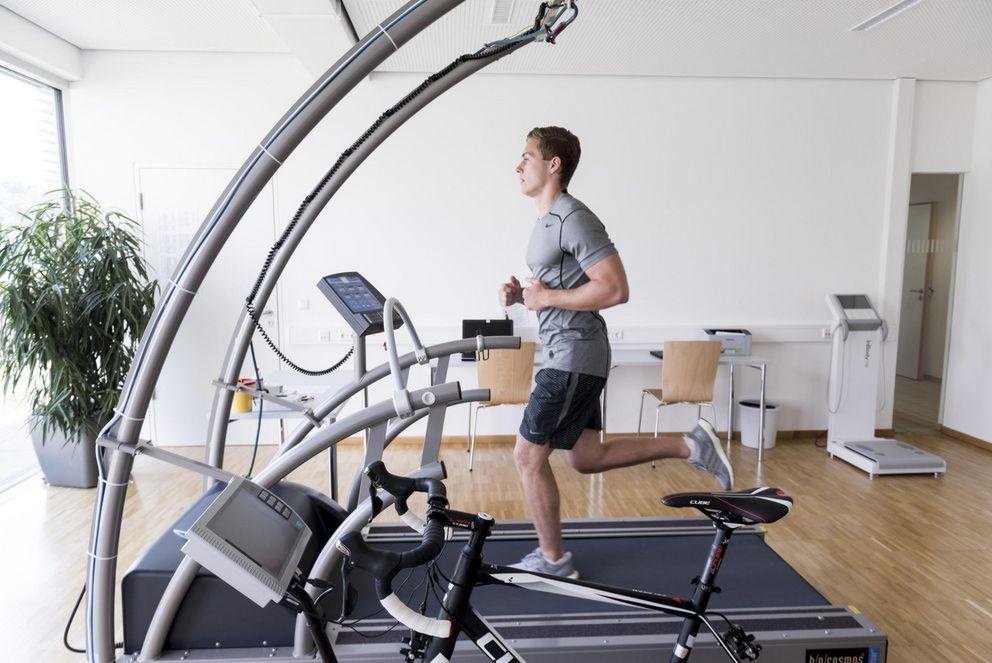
column 203, row 249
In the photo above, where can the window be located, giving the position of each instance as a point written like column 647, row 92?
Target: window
column 32, row 145
column 32, row 162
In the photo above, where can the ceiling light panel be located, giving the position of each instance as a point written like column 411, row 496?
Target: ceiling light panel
column 885, row 15
column 501, row 12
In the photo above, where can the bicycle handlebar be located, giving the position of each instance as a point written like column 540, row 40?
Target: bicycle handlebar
column 403, row 487
column 385, row 564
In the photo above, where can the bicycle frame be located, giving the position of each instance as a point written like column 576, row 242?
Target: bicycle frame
column 471, row 570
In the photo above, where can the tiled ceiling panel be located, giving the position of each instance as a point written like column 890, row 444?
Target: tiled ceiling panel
column 935, row 39
column 154, row 25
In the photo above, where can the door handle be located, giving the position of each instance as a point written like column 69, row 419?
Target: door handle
column 918, row 291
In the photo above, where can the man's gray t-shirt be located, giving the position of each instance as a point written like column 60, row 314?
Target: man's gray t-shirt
column 566, row 241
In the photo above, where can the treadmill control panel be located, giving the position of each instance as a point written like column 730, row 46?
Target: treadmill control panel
column 357, row 300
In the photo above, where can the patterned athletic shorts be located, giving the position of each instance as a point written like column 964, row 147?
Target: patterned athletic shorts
column 562, row 405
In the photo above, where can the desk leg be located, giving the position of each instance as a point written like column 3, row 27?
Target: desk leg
column 761, row 417
column 730, row 408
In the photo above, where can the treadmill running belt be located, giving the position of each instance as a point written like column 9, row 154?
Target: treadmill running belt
column 752, row 576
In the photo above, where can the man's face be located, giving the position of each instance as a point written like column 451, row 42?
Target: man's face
column 533, row 171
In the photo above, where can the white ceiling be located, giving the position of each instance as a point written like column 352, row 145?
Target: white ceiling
column 153, row 25
column 935, row 39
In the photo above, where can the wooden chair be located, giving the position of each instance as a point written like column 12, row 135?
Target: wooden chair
column 688, row 373
column 508, row 374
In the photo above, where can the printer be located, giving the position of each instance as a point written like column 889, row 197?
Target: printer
column 735, row 341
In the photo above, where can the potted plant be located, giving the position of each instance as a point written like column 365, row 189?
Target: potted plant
column 74, row 299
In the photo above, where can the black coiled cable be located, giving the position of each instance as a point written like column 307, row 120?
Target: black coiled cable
column 250, row 299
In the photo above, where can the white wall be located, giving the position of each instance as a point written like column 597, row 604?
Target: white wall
column 944, row 117
column 733, row 201
column 969, row 380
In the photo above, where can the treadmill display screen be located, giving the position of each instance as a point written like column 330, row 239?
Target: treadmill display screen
column 256, row 529
column 355, row 294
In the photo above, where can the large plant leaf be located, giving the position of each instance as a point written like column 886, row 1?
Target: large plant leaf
column 74, row 299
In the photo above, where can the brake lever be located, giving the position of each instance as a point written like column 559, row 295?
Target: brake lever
column 375, row 500
column 348, row 593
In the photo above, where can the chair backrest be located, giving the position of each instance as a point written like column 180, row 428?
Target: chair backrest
column 508, row 374
column 689, row 371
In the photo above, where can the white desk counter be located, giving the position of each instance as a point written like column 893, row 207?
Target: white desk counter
column 302, row 396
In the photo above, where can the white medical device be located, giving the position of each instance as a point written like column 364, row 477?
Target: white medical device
column 852, row 394
column 249, row 539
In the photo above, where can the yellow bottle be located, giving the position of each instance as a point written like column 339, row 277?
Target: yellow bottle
column 242, row 401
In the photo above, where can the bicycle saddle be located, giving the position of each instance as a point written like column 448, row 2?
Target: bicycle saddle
column 741, row 507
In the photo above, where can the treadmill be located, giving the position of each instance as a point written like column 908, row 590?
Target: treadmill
column 790, row 619
column 763, row 594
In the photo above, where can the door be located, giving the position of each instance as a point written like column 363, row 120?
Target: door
column 174, row 202
column 914, row 289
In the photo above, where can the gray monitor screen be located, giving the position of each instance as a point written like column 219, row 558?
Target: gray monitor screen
column 853, row 301
column 254, row 528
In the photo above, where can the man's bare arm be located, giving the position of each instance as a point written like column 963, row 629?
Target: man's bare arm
column 607, row 287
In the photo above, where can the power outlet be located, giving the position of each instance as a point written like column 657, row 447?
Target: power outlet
column 616, row 334
column 324, row 335
column 826, row 332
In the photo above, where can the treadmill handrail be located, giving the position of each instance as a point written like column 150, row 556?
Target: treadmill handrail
column 448, row 348
column 175, row 591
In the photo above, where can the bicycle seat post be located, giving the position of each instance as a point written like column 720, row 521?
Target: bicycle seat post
column 705, row 586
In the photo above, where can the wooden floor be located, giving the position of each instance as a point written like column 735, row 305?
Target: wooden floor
column 917, row 402
column 910, row 552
